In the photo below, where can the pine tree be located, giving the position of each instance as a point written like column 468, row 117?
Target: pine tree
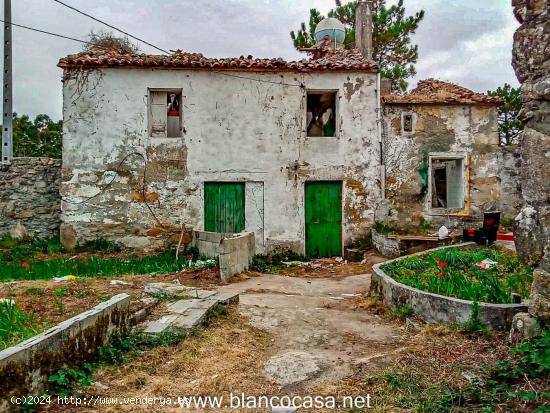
column 392, row 31
column 509, row 126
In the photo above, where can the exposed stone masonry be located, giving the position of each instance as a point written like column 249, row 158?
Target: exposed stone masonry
column 531, row 61
column 29, row 194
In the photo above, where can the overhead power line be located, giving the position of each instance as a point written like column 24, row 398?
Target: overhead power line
column 111, row 26
column 50, row 33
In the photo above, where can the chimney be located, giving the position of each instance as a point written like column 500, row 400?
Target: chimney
column 363, row 28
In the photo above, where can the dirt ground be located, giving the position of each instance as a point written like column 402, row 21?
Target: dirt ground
column 299, row 336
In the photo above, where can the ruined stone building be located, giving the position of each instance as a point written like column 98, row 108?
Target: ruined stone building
column 302, row 153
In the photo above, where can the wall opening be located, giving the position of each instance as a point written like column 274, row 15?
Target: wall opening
column 321, row 113
column 447, row 182
column 165, row 117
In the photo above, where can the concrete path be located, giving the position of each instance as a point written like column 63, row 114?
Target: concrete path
column 318, row 334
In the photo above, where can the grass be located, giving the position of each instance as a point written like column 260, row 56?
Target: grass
column 15, row 325
column 98, row 267
column 453, row 272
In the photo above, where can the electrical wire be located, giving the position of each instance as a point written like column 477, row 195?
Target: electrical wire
column 52, row 34
column 111, row 26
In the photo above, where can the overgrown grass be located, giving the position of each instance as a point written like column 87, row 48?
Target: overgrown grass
column 27, row 248
column 15, row 325
column 98, row 267
column 453, row 272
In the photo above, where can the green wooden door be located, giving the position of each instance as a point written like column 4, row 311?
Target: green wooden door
column 224, row 207
column 323, row 219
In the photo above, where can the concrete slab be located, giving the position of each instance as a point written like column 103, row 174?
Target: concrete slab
column 158, row 326
column 181, row 306
column 192, row 318
column 197, row 293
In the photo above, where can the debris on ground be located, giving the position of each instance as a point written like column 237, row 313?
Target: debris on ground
column 120, row 282
column 486, row 264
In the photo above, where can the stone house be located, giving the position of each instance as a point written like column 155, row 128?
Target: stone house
column 288, row 150
column 305, row 154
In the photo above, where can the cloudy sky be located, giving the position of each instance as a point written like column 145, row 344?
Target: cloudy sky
column 464, row 41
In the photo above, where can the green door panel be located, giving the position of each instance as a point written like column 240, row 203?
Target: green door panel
column 323, row 210
column 224, row 207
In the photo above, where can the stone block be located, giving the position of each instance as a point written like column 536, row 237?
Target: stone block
column 524, row 327
column 192, row 318
column 539, row 298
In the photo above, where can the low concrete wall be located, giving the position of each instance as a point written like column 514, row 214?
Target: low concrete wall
column 29, row 195
column 235, row 251
column 393, row 248
column 25, row 368
column 434, row 308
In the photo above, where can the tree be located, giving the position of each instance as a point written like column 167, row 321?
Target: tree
column 41, row 137
column 509, row 126
column 392, row 30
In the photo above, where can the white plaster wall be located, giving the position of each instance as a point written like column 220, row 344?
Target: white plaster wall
column 235, row 130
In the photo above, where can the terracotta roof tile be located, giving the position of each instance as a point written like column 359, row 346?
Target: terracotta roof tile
column 432, row 91
column 341, row 60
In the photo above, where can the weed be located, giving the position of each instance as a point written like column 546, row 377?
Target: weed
column 27, row 248
column 382, row 228
column 15, row 325
column 133, row 342
column 507, row 221
column 99, row 245
column 403, row 311
column 65, row 382
column 274, row 262
column 474, row 325
column 509, row 384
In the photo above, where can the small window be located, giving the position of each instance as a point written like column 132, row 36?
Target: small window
column 321, row 114
column 165, row 113
column 447, row 182
column 408, row 122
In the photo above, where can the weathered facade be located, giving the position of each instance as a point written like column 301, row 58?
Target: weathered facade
column 243, row 121
column 300, row 153
column 441, row 155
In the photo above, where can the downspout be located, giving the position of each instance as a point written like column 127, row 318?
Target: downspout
column 379, row 135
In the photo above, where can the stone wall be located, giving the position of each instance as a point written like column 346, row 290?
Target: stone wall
column 509, row 160
column 531, row 61
column 29, row 194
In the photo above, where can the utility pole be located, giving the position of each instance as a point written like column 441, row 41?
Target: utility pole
column 7, row 124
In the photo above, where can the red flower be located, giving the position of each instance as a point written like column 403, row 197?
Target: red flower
column 438, row 259
column 442, row 264
column 440, row 275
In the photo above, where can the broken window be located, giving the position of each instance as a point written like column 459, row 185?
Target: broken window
column 408, row 122
column 165, row 113
column 447, row 182
column 321, row 114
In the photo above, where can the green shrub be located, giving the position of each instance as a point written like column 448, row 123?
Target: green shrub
column 403, row 311
column 274, row 262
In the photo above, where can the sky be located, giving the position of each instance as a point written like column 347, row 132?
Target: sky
column 467, row 42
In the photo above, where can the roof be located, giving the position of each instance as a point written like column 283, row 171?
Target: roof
column 432, row 91
column 338, row 60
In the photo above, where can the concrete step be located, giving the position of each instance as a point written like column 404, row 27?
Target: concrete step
column 187, row 314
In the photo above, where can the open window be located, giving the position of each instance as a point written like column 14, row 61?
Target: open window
column 165, row 113
column 447, row 182
column 321, row 113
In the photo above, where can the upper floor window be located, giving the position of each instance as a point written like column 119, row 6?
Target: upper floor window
column 165, row 113
column 408, row 122
column 321, row 113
